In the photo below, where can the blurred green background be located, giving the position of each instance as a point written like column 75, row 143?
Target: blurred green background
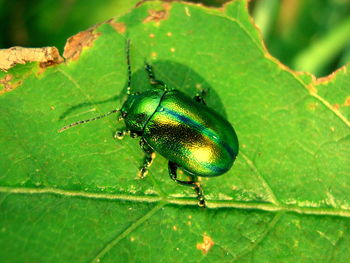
column 306, row 35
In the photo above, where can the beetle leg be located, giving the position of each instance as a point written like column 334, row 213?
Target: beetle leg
column 120, row 134
column 173, row 175
column 147, row 161
column 199, row 97
column 154, row 82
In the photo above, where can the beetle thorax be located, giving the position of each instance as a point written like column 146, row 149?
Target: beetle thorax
column 139, row 108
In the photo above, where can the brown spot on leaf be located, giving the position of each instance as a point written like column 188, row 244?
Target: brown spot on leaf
column 313, row 105
column 158, row 15
column 6, row 79
column 20, row 55
column 330, row 77
column 153, row 54
column 8, row 85
column 206, row 245
column 347, row 101
column 76, row 43
column 120, row 27
column 326, row 79
column 336, row 106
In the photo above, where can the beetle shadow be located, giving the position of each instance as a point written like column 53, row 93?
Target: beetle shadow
column 175, row 75
column 180, row 77
column 87, row 104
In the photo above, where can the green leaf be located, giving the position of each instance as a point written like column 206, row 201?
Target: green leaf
column 75, row 196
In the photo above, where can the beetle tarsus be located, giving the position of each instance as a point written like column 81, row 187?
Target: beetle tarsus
column 200, row 194
column 120, row 134
column 134, row 134
column 200, row 97
column 142, row 173
column 149, row 156
column 201, row 203
column 173, row 175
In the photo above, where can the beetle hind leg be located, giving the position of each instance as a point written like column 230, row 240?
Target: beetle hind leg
column 173, row 175
column 147, row 161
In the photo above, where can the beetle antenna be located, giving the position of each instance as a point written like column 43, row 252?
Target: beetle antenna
column 129, row 66
column 85, row 121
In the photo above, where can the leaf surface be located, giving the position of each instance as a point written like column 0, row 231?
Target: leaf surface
column 75, row 196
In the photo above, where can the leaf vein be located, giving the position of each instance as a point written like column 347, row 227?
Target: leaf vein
column 126, row 232
column 211, row 204
column 265, row 184
column 269, row 228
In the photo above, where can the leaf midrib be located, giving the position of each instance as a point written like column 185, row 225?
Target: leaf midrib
column 211, row 204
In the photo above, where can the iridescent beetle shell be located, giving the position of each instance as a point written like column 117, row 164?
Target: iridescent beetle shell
column 183, row 131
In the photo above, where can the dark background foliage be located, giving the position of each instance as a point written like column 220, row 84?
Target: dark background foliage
column 312, row 35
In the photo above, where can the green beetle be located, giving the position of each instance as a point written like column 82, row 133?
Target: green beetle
column 182, row 129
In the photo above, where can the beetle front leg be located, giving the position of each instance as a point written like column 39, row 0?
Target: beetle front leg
column 147, row 161
column 199, row 97
column 173, row 175
column 154, row 82
column 120, row 134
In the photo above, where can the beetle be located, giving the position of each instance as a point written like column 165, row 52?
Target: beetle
column 184, row 130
